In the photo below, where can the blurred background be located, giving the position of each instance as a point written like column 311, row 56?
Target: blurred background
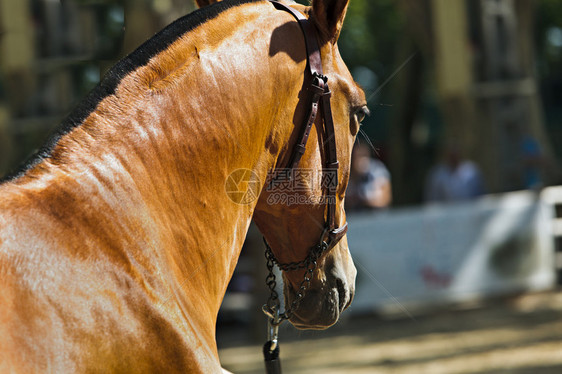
column 482, row 77
column 453, row 202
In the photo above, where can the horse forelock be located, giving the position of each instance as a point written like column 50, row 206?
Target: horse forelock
column 139, row 58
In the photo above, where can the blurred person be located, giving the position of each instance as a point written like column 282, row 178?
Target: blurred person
column 454, row 179
column 533, row 163
column 369, row 181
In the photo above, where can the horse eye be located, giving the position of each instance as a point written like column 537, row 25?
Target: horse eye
column 361, row 113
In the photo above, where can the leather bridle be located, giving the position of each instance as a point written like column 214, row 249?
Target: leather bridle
column 318, row 98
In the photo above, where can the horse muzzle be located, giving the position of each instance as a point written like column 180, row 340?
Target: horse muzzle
column 325, row 300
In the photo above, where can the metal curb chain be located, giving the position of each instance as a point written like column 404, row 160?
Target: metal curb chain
column 310, row 263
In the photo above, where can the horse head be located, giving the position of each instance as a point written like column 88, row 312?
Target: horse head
column 293, row 207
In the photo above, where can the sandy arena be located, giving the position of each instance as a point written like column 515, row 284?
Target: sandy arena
column 516, row 335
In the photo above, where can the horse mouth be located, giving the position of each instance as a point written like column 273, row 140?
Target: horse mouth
column 320, row 308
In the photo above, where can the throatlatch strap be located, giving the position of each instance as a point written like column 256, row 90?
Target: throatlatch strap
column 312, row 48
column 315, row 74
column 319, row 96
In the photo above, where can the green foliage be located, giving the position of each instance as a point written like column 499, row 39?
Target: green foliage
column 549, row 17
column 370, row 39
column 371, row 32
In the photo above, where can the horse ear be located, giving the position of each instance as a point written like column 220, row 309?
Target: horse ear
column 203, row 3
column 329, row 16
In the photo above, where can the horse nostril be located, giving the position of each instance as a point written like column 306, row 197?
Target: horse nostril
column 342, row 293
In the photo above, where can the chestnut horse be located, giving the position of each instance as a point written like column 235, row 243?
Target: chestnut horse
column 118, row 239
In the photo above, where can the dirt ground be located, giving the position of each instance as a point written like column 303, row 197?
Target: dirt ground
column 516, row 335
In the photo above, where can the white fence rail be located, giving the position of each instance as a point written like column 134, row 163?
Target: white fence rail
column 439, row 254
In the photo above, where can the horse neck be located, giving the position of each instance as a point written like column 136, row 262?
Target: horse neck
column 154, row 163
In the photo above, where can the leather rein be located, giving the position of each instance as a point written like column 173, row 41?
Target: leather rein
column 318, row 97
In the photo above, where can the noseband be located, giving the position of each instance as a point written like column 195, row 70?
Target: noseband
column 318, row 98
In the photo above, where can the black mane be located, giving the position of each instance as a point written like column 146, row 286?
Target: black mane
column 121, row 69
